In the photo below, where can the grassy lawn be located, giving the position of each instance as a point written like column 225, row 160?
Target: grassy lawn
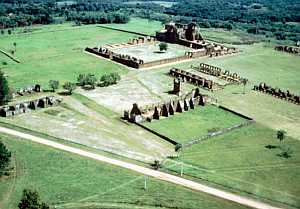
column 68, row 181
column 56, row 52
column 240, row 160
column 195, row 123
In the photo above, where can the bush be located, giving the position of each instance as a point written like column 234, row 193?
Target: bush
column 31, row 200
column 163, row 46
column 110, row 79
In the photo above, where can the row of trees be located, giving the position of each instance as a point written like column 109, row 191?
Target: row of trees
column 90, row 80
column 68, row 86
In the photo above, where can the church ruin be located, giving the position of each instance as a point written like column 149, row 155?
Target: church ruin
column 184, row 35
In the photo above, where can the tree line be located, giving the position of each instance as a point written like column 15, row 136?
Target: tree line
column 278, row 19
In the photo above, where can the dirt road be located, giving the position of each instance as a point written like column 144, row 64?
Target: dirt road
column 146, row 171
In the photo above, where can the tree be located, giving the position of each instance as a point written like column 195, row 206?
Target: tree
column 15, row 45
column 5, row 156
column 70, row 87
column 4, row 89
column 53, row 84
column 31, row 200
column 244, row 82
column 110, row 79
column 163, row 46
column 281, row 135
column 157, row 164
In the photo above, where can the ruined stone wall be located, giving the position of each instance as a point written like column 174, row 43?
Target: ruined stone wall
column 278, row 93
column 194, row 79
column 24, row 107
column 288, row 49
column 164, row 61
column 218, row 72
column 28, row 90
column 165, row 109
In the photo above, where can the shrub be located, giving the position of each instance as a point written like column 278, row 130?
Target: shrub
column 110, row 79
column 5, row 156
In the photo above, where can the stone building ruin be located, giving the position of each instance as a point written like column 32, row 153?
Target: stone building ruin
column 28, row 90
column 289, row 49
column 194, row 79
column 165, row 109
column 185, row 35
column 25, row 107
column 278, row 93
column 218, row 72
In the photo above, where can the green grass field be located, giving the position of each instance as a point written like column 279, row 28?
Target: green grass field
column 240, row 160
column 56, row 52
column 68, row 181
column 194, row 124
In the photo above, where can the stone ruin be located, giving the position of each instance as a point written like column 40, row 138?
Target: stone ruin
column 155, row 112
column 189, row 36
column 172, row 32
column 28, row 90
column 120, row 58
column 288, row 49
column 278, row 93
column 142, row 40
column 24, row 107
column 218, row 72
column 194, row 79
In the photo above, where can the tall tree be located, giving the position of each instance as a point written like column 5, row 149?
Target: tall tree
column 70, row 87
column 53, row 84
column 281, row 135
column 5, row 156
column 4, row 89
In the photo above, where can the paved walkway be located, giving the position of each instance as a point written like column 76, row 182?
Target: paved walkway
column 146, row 171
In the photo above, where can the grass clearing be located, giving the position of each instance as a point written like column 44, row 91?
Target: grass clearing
column 61, row 179
column 194, row 124
column 56, row 52
column 241, row 161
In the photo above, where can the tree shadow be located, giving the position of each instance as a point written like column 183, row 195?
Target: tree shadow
column 269, row 146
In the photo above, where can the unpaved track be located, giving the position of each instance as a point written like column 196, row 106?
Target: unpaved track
column 146, row 171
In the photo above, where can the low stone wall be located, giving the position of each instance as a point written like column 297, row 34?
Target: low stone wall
column 165, row 109
column 194, row 79
column 278, row 93
column 218, row 72
column 24, row 107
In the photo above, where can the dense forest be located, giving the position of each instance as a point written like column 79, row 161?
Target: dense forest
column 273, row 18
